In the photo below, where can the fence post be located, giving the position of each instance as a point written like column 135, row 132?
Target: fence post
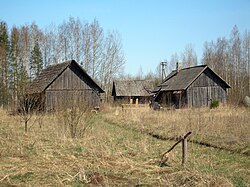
column 183, row 140
column 184, row 150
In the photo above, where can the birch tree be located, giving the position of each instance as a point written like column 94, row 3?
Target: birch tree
column 96, row 33
column 189, row 57
column 86, row 47
column 14, row 64
column 113, row 62
column 246, row 60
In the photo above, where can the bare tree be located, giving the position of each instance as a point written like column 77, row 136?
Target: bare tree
column 139, row 75
column 235, row 62
column 189, row 57
column 27, row 106
column 172, row 64
column 230, row 59
column 25, row 47
column 86, row 47
column 63, row 41
column 113, row 62
column 96, row 33
column 77, row 39
column 99, row 53
column 221, row 57
column 14, row 65
column 246, row 60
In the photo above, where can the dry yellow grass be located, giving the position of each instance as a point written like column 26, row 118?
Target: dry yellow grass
column 223, row 127
column 107, row 155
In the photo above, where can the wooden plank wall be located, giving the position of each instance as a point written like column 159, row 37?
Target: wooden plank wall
column 68, row 89
column 206, row 89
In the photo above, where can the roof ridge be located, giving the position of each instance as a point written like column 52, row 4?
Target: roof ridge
column 56, row 64
column 191, row 67
column 134, row 80
column 183, row 79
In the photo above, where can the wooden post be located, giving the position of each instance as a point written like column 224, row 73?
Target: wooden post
column 131, row 101
column 136, row 102
column 180, row 100
column 184, row 150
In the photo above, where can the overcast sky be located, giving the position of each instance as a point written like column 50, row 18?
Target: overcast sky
column 151, row 30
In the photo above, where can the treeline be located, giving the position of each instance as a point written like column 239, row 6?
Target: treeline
column 27, row 49
column 230, row 58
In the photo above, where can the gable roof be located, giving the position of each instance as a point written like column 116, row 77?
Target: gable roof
column 132, row 87
column 51, row 73
column 185, row 77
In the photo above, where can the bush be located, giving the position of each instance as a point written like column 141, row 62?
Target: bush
column 246, row 101
column 214, row 104
column 74, row 121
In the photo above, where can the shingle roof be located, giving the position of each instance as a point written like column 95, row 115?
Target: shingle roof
column 184, row 78
column 46, row 77
column 50, row 74
column 133, row 87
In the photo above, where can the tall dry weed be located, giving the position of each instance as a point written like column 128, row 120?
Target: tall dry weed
column 108, row 155
column 223, row 127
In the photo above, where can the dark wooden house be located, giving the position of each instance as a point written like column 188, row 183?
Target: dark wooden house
column 132, row 90
column 195, row 86
column 65, row 84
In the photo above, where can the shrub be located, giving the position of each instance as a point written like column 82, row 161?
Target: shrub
column 75, row 118
column 246, row 101
column 27, row 106
column 214, row 104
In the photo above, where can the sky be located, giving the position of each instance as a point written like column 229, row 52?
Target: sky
column 151, row 30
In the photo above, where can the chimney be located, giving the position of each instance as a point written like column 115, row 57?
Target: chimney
column 178, row 67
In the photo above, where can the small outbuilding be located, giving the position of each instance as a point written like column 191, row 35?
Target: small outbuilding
column 65, row 84
column 132, row 91
column 196, row 86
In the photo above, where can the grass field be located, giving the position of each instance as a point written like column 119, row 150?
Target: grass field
column 226, row 128
column 118, row 150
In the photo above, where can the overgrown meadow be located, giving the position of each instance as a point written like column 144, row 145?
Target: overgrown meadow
column 118, row 147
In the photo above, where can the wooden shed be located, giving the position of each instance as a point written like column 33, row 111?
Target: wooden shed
column 195, row 86
column 65, row 84
column 132, row 90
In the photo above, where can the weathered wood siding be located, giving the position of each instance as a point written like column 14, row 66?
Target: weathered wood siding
column 126, row 99
column 206, row 88
column 171, row 99
column 70, row 88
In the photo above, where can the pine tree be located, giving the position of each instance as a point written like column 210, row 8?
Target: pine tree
column 36, row 62
column 4, row 49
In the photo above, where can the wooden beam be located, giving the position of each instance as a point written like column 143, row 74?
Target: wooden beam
column 184, row 146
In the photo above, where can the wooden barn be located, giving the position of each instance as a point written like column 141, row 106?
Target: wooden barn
column 132, row 91
column 63, row 85
column 195, row 86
